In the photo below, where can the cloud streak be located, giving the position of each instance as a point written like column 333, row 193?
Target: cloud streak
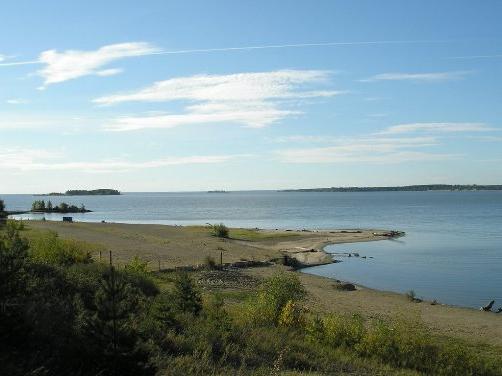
column 42, row 160
column 418, row 77
column 366, row 150
column 249, row 99
column 437, row 128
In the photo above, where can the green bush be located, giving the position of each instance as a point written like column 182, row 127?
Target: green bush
column 220, row 230
column 48, row 248
column 272, row 297
column 186, row 296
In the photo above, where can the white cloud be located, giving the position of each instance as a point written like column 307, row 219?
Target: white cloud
column 109, row 72
column 437, row 127
column 366, row 150
column 71, row 64
column 36, row 160
column 43, row 122
column 16, row 101
column 249, row 99
column 418, row 77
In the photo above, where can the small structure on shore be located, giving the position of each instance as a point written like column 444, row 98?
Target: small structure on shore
column 68, row 219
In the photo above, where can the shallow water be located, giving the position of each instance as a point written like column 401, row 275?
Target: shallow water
column 452, row 251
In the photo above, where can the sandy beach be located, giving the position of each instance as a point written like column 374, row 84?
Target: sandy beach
column 174, row 246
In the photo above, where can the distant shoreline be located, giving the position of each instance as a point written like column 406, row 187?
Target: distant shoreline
column 405, row 188
column 84, row 192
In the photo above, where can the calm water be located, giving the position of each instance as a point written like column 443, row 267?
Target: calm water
column 452, row 251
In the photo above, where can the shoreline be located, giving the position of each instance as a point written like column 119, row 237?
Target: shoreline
column 167, row 247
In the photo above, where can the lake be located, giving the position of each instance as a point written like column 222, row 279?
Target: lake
column 452, row 250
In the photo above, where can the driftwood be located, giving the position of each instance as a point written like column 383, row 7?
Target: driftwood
column 488, row 308
column 498, row 310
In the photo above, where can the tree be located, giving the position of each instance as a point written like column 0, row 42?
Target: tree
column 220, row 230
column 274, row 295
column 186, row 297
column 49, row 205
column 110, row 328
column 3, row 213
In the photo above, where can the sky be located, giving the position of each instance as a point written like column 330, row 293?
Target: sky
column 240, row 95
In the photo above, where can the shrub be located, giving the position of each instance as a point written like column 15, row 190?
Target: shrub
column 273, row 295
column 50, row 249
column 344, row 331
column 137, row 265
column 291, row 315
column 210, row 262
column 186, row 296
column 220, row 230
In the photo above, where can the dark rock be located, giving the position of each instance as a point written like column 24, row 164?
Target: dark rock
column 488, row 307
column 346, row 287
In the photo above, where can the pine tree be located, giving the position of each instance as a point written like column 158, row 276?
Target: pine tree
column 110, row 327
column 186, row 297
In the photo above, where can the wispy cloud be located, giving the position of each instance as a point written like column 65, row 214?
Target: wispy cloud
column 437, row 128
column 418, row 77
column 366, row 150
column 262, row 47
column 34, row 160
column 16, row 101
column 71, row 64
column 249, row 99
column 473, row 57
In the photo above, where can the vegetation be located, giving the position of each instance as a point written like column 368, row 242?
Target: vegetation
column 84, row 192
column 3, row 213
column 220, row 230
column 41, row 206
column 93, row 192
column 413, row 188
column 61, row 313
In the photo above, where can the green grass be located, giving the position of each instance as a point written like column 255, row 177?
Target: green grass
column 256, row 235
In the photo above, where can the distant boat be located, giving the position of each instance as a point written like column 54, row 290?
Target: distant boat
column 217, row 191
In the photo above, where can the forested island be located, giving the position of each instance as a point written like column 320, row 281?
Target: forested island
column 406, row 188
column 40, row 206
column 84, row 192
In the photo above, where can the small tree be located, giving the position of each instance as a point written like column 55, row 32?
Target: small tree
column 274, row 294
column 220, row 230
column 3, row 213
column 49, row 205
column 186, row 296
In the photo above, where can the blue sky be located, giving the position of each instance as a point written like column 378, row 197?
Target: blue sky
column 198, row 95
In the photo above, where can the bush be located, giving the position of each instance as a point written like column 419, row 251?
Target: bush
column 210, row 262
column 186, row 296
column 50, row 249
column 137, row 265
column 220, row 230
column 272, row 297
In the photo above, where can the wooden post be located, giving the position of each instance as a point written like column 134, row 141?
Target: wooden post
column 111, row 263
column 221, row 258
column 99, row 256
column 159, row 265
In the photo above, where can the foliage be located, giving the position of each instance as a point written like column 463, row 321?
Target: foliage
column 186, row 296
column 63, row 207
column 3, row 213
column 48, row 248
column 74, row 318
column 220, row 230
column 272, row 297
column 210, row 262
column 137, row 265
